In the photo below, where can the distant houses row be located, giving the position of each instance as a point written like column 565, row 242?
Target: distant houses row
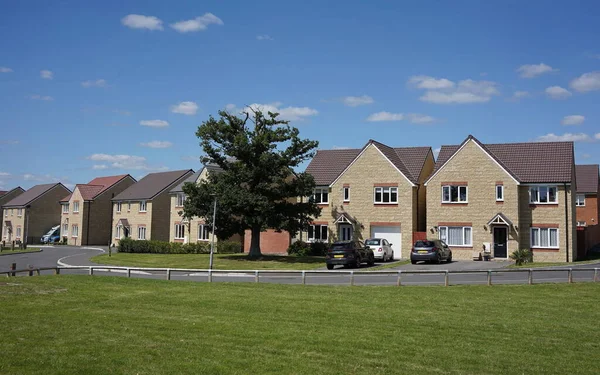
column 476, row 197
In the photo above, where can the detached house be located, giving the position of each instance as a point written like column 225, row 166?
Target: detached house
column 86, row 213
column 376, row 191
column 587, row 195
column 142, row 211
column 503, row 197
column 31, row 214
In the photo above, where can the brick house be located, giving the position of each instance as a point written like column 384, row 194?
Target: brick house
column 8, row 195
column 31, row 214
column 504, row 197
column 142, row 211
column 86, row 213
column 376, row 191
column 587, row 195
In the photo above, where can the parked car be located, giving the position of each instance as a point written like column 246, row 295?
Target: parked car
column 381, row 248
column 52, row 236
column 430, row 251
column 349, row 253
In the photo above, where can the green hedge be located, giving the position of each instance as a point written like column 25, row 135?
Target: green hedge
column 127, row 245
column 302, row 248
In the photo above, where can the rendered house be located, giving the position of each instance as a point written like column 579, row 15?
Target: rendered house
column 504, row 197
column 8, row 195
column 31, row 214
column 85, row 217
column 141, row 212
column 587, row 195
column 375, row 191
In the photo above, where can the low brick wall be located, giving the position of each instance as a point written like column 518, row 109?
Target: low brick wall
column 271, row 242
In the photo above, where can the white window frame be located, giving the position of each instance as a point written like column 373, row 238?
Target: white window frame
column 74, row 230
column 203, row 232
column 118, row 231
column 535, row 233
column 76, row 207
column 578, row 201
column 383, row 190
column 180, row 199
column 118, row 206
column 19, row 212
column 535, row 190
column 446, row 240
column 65, row 208
column 179, row 227
column 18, row 232
column 458, row 197
column 128, row 206
column 143, row 204
column 346, row 193
column 65, row 229
column 581, row 224
column 320, row 192
column 321, row 230
column 499, row 193
column 142, row 232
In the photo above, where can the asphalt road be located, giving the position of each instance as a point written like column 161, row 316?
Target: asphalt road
column 434, row 274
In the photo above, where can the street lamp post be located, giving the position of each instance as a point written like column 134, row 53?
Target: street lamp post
column 212, row 240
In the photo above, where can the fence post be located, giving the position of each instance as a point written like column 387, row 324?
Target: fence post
column 256, row 277
column 399, row 281
column 351, row 278
column 168, row 274
column 595, row 274
column 37, row 271
column 13, row 267
column 489, row 281
column 570, row 275
column 446, row 281
column 210, row 275
column 530, row 277
column 303, row 277
column 30, row 269
column 57, row 271
column 91, row 271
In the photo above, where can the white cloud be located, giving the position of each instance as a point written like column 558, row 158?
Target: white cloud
column 46, row 74
column 414, row 118
column 573, row 137
column 430, row 83
column 597, row 136
column 355, row 101
column 42, row 178
column 586, row 82
column 96, row 83
column 417, row 118
column 130, row 162
column 185, row 108
column 557, row 92
column 197, row 24
column 264, row 37
column 444, row 91
column 157, row 144
column 100, row 166
column 4, row 174
column 436, row 152
column 4, row 69
column 41, row 97
column 573, row 120
column 518, row 95
column 532, row 71
column 154, row 123
column 138, row 21
column 285, row 113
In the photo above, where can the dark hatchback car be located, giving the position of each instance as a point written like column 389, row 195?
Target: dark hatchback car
column 430, row 251
column 349, row 253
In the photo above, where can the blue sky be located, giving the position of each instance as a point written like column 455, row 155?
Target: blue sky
column 78, row 80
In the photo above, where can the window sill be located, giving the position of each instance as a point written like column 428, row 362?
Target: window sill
column 178, row 239
column 543, row 204
column 325, row 204
column 461, row 247
column 545, row 249
column 142, row 212
column 346, row 202
column 455, row 203
column 385, row 204
column 203, row 240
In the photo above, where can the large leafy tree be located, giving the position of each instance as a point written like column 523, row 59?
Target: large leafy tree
column 256, row 187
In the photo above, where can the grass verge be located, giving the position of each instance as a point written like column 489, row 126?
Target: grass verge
column 221, row 261
column 102, row 325
column 17, row 251
column 385, row 266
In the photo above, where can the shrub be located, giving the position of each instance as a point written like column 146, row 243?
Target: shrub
column 319, row 248
column 522, row 256
column 302, row 248
column 127, row 245
column 228, row 247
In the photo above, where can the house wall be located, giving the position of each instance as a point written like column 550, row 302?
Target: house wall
column 271, row 242
column 134, row 217
column 368, row 171
column 589, row 213
column 44, row 213
column 422, row 193
column 473, row 166
column 10, row 214
column 74, row 218
column 191, row 229
column 162, row 213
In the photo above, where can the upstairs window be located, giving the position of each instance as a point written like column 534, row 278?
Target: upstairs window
column 580, row 200
column 19, row 212
column 180, row 199
column 581, row 224
column 118, row 206
column 543, row 194
column 386, row 195
column 142, row 206
column 321, row 196
column 499, row 193
column 454, row 194
column 346, row 193
column 65, row 208
column 75, row 207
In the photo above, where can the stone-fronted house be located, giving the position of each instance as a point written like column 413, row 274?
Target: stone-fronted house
column 85, row 217
column 376, row 191
column 31, row 214
column 142, row 211
column 586, row 201
column 504, row 197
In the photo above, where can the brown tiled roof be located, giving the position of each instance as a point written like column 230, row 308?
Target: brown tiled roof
column 151, row 185
column 532, row 162
column 95, row 187
column 32, row 194
column 107, row 181
column 2, row 192
column 587, row 178
column 327, row 165
column 67, row 198
column 193, row 178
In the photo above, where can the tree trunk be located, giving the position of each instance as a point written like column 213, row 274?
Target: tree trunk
column 255, row 243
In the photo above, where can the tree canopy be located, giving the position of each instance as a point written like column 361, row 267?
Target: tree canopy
column 253, row 179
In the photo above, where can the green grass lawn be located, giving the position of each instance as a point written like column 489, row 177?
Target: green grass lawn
column 113, row 325
column 221, row 261
column 15, row 251
column 592, row 259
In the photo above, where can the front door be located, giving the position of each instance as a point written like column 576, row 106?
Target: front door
column 500, row 239
column 345, row 232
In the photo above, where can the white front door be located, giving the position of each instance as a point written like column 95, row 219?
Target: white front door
column 345, row 232
column 392, row 234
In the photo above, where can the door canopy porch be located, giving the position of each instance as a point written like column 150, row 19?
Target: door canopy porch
column 344, row 218
column 500, row 219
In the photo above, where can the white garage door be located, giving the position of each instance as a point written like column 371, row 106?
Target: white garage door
column 392, row 234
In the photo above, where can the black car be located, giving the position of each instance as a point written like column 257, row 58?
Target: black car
column 349, row 253
column 430, row 251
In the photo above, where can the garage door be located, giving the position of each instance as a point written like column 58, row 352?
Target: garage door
column 392, row 234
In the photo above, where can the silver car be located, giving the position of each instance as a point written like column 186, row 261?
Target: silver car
column 381, row 248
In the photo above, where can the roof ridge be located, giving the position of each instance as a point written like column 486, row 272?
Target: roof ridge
column 403, row 168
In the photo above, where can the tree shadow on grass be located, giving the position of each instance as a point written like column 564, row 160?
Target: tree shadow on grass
column 276, row 258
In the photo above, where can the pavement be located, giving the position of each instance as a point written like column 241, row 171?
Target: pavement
column 430, row 274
